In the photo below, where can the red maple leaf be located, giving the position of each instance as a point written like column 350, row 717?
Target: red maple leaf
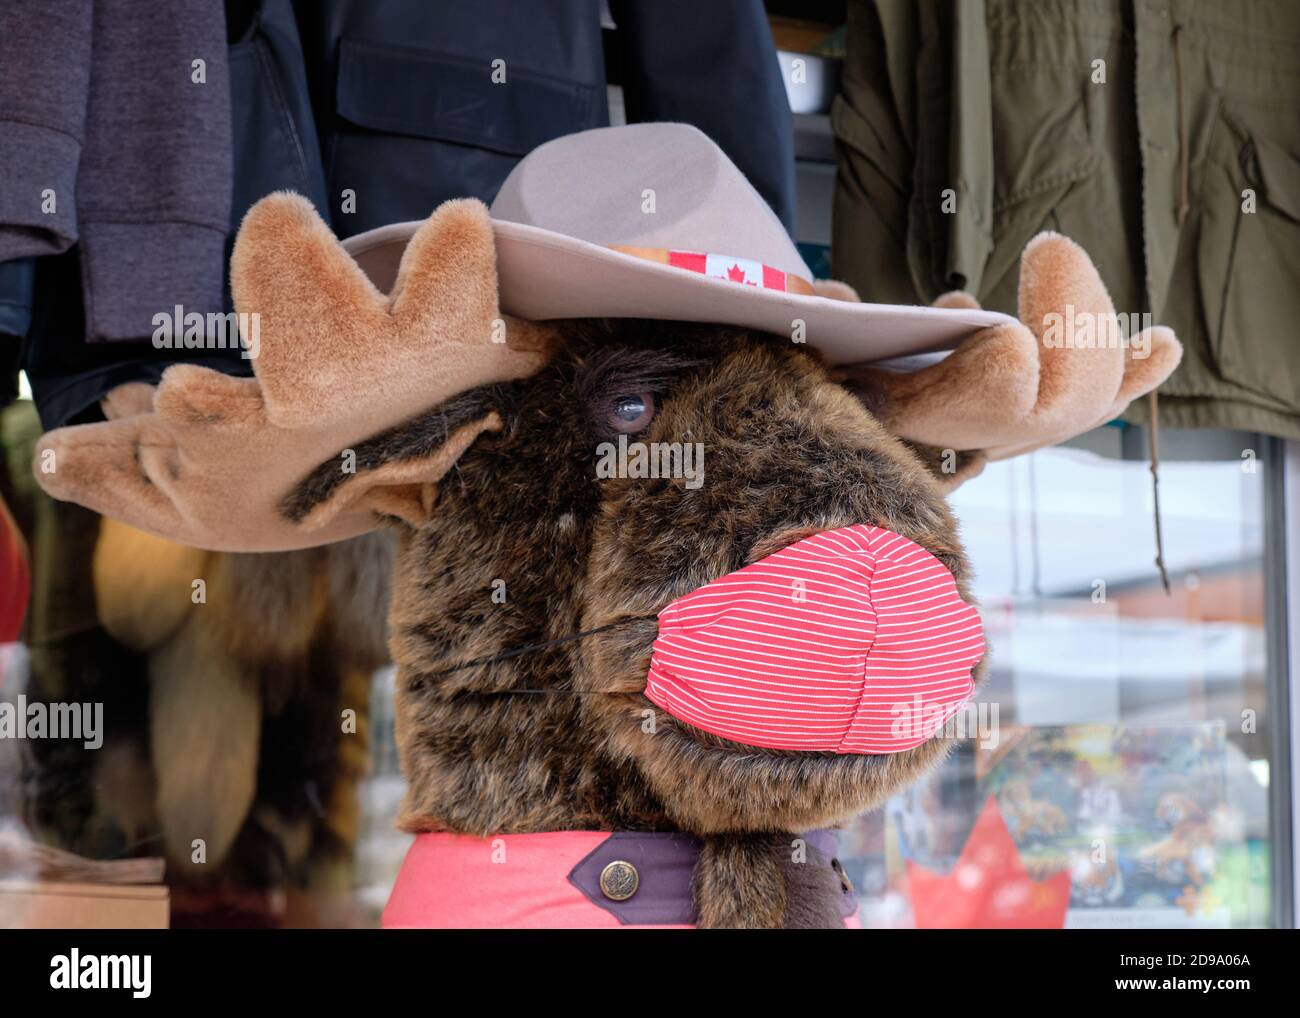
column 736, row 274
column 989, row 887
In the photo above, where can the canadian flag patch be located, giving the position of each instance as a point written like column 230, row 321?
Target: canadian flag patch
column 735, row 270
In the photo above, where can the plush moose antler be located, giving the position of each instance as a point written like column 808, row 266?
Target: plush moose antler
column 1063, row 369
column 335, row 361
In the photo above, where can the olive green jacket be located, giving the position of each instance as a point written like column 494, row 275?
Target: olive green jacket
column 1163, row 135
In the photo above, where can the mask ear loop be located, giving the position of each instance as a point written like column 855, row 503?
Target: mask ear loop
column 528, row 648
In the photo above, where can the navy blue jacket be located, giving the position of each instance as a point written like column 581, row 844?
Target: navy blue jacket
column 380, row 110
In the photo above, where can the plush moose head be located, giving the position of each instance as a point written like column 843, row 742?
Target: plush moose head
column 662, row 570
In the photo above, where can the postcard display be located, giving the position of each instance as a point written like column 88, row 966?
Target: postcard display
column 1096, row 825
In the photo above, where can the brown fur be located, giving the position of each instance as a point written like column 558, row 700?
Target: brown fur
column 282, row 644
column 739, row 883
column 245, row 694
column 562, row 737
column 204, row 714
column 759, row 881
column 142, row 584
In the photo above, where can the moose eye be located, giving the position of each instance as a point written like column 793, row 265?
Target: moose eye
column 631, row 413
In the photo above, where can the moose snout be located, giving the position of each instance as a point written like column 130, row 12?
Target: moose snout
column 853, row 640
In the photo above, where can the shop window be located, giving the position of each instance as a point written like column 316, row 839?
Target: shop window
column 1118, row 769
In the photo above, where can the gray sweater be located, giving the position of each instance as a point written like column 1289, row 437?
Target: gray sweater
column 111, row 139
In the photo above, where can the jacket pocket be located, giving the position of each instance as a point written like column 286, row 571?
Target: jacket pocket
column 1248, row 259
column 1044, row 122
column 445, row 97
column 417, row 127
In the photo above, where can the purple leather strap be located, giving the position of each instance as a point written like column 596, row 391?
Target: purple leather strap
column 665, row 865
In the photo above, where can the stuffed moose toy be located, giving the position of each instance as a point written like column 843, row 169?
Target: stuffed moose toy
column 638, row 695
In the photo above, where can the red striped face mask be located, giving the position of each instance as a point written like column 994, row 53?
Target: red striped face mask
column 850, row 641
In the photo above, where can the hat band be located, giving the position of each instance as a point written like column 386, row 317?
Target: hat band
column 723, row 266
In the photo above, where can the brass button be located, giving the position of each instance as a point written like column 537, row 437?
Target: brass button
column 619, row 880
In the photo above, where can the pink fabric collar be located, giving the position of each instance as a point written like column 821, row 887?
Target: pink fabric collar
column 554, row 881
column 509, row 881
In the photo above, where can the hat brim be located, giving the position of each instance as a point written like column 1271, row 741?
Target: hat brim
column 545, row 275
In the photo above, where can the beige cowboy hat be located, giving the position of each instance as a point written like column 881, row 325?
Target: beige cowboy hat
column 654, row 221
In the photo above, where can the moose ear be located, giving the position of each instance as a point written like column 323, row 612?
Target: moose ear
column 833, row 289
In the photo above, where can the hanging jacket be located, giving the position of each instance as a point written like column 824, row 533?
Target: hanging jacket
column 393, row 104
column 421, row 102
column 103, row 150
column 1162, row 135
column 115, row 157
